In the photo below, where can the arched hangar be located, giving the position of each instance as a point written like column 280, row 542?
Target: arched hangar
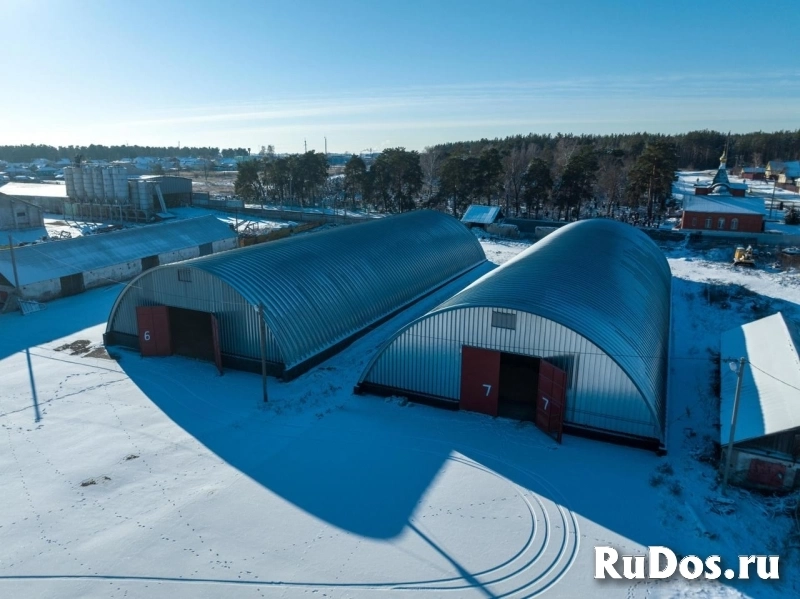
column 572, row 333
column 316, row 291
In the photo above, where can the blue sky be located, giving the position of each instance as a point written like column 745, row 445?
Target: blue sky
column 379, row 73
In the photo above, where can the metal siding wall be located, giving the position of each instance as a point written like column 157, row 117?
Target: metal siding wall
column 238, row 320
column 426, row 359
column 320, row 289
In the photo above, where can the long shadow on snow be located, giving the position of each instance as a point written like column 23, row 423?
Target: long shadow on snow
column 370, row 481
column 357, row 482
column 60, row 318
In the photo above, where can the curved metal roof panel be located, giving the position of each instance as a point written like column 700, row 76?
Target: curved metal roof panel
column 605, row 280
column 319, row 289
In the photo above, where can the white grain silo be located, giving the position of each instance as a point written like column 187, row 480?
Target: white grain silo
column 69, row 181
column 133, row 192
column 145, row 194
column 97, row 182
column 108, row 186
column 119, row 176
column 88, row 182
column 77, row 178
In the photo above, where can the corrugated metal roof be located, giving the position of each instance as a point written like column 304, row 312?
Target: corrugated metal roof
column 45, row 261
column 481, row 215
column 770, row 396
column 603, row 279
column 721, row 205
column 48, row 190
column 321, row 288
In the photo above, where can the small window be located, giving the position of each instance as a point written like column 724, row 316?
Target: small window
column 708, row 223
column 694, row 221
column 734, row 224
column 185, row 275
column 504, row 320
column 721, row 223
column 21, row 213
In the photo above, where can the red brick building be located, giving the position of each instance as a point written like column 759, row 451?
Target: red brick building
column 715, row 213
column 720, row 206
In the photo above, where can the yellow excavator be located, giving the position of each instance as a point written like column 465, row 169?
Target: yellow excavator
column 744, row 256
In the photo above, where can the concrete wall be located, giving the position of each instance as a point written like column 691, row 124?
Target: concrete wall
column 43, row 290
column 224, row 245
column 178, row 255
column 111, row 274
column 19, row 215
column 47, row 204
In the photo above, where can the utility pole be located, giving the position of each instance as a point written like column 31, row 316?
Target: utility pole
column 262, row 327
column 772, row 201
column 13, row 263
column 305, row 146
column 326, row 146
column 729, row 456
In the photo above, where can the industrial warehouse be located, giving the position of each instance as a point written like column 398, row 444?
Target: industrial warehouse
column 316, row 292
column 572, row 332
column 46, row 271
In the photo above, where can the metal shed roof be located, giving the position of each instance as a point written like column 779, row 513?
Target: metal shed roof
column 34, row 190
column 45, row 261
column 481, row 215
column 603, row 279
column 321, row 288
column 770, row 396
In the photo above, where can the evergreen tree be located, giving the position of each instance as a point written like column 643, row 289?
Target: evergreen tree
column 536, row 185
column 354, row 174
column 652, row 175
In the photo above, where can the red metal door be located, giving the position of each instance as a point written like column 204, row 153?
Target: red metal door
column 154, row 337
column 551, row 398
column 215, row 337
column 480, row 380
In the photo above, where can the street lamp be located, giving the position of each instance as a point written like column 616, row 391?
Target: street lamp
column 739, row 370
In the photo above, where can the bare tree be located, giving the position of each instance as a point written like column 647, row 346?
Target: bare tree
column 430, row 160
column 612, row 178
column 515, row 163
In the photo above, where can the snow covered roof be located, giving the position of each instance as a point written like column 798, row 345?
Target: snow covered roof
column 45, row 261
column 719, row 204
column 721, row 177
column 770, row 396
column 753, row 169
column 33, row 190
column 319, row 290
column 481, row 215
column 557, row 279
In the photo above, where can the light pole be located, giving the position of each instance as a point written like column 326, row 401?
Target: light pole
column 729, row 457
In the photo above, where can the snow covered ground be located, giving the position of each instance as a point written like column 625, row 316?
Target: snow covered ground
column 158, row 477
column 56, row 226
